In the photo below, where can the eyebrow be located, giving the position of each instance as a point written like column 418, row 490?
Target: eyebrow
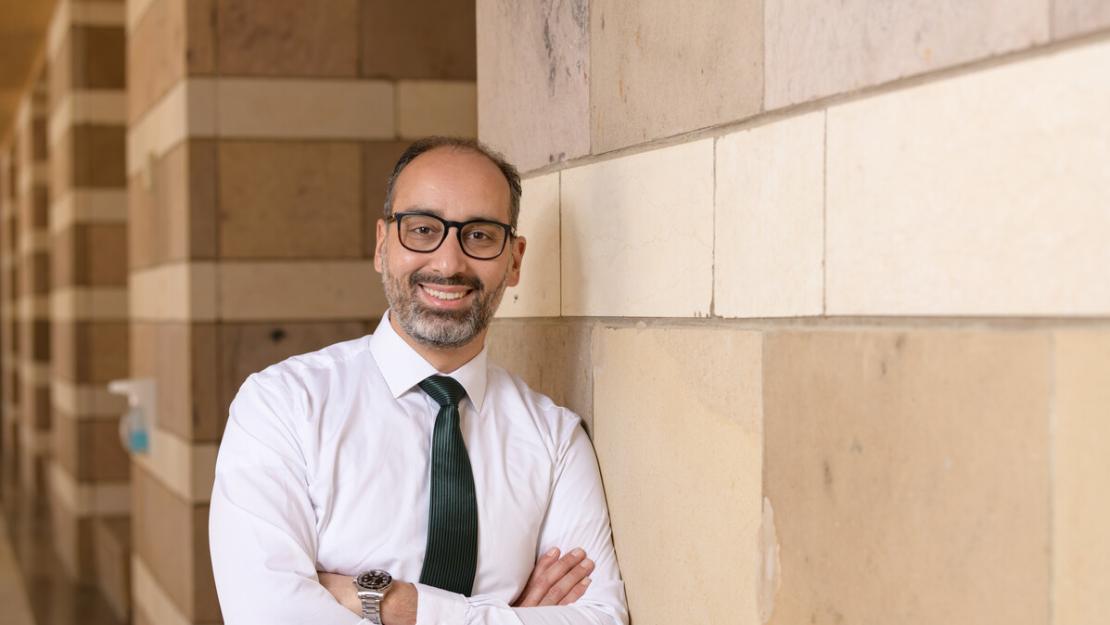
column 439, row 213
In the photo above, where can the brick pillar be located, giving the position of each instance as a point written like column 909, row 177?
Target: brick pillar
column 32, row 283
column 260, row 136
column 88, row 301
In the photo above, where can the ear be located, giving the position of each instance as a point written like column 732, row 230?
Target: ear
column 516, row 251
column 383, row 230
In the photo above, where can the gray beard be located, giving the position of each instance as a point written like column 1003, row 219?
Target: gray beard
column 436, row 328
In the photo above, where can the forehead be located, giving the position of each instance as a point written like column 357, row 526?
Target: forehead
column 456, row 183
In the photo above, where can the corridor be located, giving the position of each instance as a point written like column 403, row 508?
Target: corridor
column 33, row 589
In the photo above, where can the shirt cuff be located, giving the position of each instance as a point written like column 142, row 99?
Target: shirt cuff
column 435, row 606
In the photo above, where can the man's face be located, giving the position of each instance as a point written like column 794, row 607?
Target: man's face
column 445, row 299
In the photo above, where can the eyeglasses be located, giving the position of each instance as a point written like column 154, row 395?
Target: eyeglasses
column 479, row 239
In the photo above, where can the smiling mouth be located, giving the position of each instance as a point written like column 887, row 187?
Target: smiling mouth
column 445, row 296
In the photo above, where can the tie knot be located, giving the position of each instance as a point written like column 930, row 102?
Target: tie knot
column 444, row 390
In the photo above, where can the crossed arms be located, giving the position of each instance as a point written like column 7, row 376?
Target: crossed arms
column 264, row 541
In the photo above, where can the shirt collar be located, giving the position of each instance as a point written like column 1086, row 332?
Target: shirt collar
column 403, row 368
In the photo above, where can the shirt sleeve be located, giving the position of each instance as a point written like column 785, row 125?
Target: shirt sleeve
column 577, row 516
column 262, row 532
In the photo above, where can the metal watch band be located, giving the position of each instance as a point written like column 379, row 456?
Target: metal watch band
column 371, row 606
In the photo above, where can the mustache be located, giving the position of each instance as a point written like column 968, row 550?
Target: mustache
column 455, row 280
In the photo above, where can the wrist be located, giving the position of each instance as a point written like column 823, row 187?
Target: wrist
column 399, row 604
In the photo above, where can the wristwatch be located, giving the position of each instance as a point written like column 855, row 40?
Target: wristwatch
column 371, row 587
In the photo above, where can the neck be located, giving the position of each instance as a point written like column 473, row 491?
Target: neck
column 445, row 360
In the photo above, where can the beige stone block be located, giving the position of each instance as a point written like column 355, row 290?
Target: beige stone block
column 174, row 292
column 187, row 469
column 551, row 356
column 537, row 295
column 770, row 203
column 85, row 401
column 162, row 529
column 94, row 106
column 637, row 234
column 290, row 200
column 431, row 107
column 991, row 202
column 247, row 348
column 430, row 39
column 151, row 603
column 88, row 499
column 291, row 108
column 287, row 38
column 1074, row 17
column 136, row 11
column 378, row 159
column 678, row 433
column 88, row 205
column 261, row 291
column 661, row 68
column 59, row 77
column 1081, row 478
column 533, row 90
column 61, row 165
column 156, row 54
column 908, row 472
column 817, row 49
column 188, row 110
column 88, row 303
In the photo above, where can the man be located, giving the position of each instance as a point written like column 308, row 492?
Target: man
column 406, row 460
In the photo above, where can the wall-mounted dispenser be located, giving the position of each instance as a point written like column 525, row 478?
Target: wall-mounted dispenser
column 136, row 423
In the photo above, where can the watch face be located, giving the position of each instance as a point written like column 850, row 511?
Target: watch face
column 373, row 580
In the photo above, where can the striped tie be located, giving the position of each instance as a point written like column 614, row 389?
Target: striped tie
column 451, row 556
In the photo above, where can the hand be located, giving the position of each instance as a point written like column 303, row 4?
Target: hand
column 556, row 581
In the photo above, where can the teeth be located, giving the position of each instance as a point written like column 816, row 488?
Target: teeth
column 444, row 295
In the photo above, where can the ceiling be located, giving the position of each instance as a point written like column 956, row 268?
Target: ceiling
column 22, row 38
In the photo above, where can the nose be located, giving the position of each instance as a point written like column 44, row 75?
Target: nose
column 449, row 258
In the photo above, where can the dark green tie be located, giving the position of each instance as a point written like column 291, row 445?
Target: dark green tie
column 451, row 556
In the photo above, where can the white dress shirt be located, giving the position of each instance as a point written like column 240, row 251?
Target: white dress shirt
column 324, row 465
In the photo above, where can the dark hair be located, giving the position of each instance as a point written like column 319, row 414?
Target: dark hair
column 512, row 177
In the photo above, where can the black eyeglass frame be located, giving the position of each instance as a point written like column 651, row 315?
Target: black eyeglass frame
column 510, row 232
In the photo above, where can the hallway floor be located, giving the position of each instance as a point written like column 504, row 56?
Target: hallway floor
column 33, row 588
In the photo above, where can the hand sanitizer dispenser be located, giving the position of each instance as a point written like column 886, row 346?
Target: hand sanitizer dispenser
column 135, row 424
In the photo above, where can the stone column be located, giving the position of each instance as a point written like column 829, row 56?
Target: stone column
column 32, row 288
column 260, row 136
column 90, row 495
column 9, row 415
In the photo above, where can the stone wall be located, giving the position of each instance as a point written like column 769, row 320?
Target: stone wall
column 828, row 282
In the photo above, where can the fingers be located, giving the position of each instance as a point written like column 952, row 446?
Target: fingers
column 554, row 577
column 534, row 590
column 569, row 581
column 576, row 593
